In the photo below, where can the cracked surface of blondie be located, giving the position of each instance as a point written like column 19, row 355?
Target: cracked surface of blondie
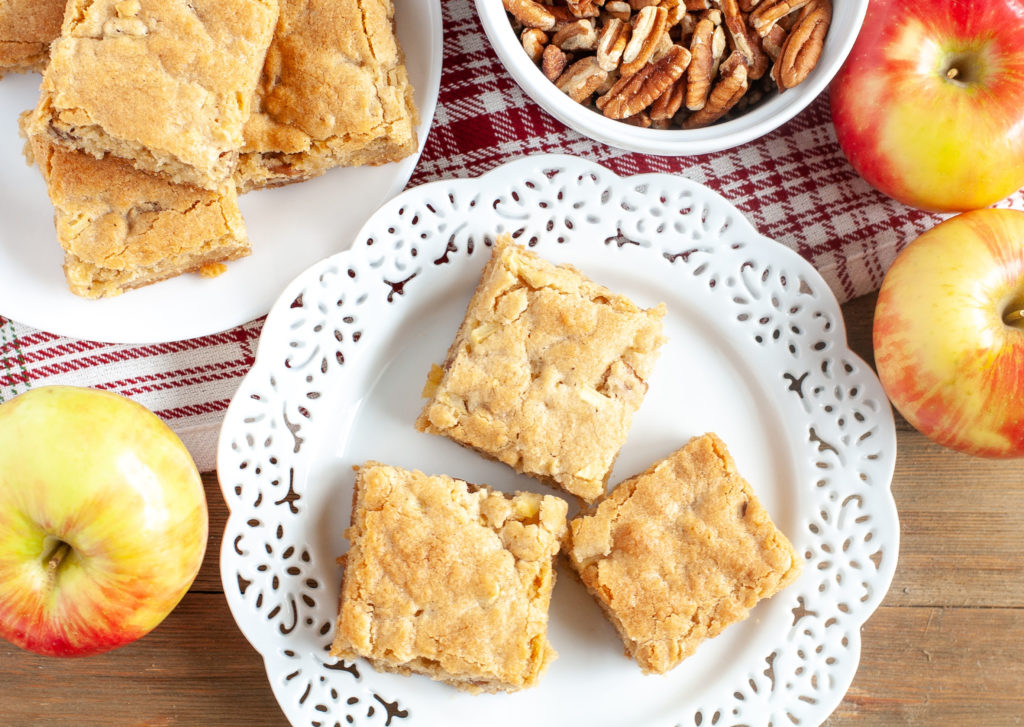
column 166, row 84
column 545, row 372
column 679, row 552
column 334, row 92
column 448, row 579
column 121, row 228
column 27, row 27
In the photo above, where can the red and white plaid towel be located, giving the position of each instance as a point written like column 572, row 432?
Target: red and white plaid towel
column 794, row 185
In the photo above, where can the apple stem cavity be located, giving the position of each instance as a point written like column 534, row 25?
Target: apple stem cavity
column 1015, row 318
column 963, row 69
column 55, row 559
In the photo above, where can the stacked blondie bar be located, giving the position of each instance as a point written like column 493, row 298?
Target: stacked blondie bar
column 155, row 114
column 454, row 580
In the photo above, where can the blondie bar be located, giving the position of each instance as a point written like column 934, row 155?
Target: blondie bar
column 676, row 554
column 121, row 228
column 27, row 27
column 165, row 84
column 448, row 579
column 334, row 92
column 545, row 372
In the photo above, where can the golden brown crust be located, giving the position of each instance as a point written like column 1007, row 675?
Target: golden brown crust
column 334, row 92
column 166, row 84
column 121, row 228
column 545, row 371
column 448, row 579
column 679, row 552
column 27, row 27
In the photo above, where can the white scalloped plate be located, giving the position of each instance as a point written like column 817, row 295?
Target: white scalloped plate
column 290, row 227
column 757, row 352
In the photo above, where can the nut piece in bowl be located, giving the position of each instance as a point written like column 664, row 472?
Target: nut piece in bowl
column 672, row 77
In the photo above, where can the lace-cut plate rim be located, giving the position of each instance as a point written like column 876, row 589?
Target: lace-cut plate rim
column 756, row 352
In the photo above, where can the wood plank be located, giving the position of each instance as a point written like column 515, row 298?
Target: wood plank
column 960, row 527
column 196, row 668
column 938, row 667
column 927, row 666
column 208, row 579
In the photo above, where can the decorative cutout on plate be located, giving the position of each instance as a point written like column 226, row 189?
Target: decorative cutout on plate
column 281, row 583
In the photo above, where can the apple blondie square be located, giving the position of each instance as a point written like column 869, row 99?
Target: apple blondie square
column 27, row 27
column 121, row 228
column 545, row 372
column 448, row 579
column 334, row 92
column 679, row 552
column 166, row 84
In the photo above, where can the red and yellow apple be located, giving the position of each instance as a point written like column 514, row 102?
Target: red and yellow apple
column 103, row 520
column 929, row 105
column 949, row 333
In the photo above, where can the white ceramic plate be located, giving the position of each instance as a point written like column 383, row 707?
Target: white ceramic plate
column 290, row 227
column 756, row 352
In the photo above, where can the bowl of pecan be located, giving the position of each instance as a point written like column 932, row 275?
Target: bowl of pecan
column 672, row 77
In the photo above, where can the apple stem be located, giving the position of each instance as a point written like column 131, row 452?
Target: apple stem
column 952, row 73
column 1014, row 316
column 56, row 558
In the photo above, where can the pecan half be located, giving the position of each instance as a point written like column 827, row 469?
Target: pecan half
column 726, row 93
column 803, row 46
column 613, row 41
column 773, row 41
column 701, row 70
column 618, row 9
column 632, row 94
column 664, row 46
column 580, row 35
column 563, row 16
column 613, row 78
column 582, row 79
column 770, row 12
column 531, row 14
column 676, row 11
column 718, row 48
column 744, row 40
column 650, row 24
column 583, row 8
column 668, row 103
column 553, row 62
column 534, row 40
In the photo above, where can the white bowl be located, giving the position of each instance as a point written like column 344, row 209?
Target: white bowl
column 847, row 17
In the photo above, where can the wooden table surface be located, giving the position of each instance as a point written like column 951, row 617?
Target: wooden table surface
column 945, row 648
